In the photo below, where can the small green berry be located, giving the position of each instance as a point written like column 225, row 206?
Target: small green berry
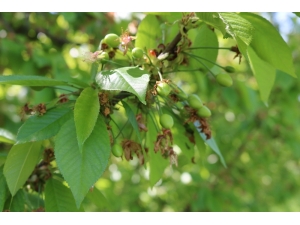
column 117, row 150
column 163, row 89
column 224, row 79
column 112, row 40
column 204, row 112
column 166, row 121
column 194, row 101
column 137, row 53
column 229, row 69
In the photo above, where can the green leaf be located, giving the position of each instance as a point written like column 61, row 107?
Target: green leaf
column 94, row 70
column 237, row 26
column 96, row 197
column 231, row 25
column 130, row 79
column 6, row 136
column 205, row 37
column 77, row 82
column 4, row 190
column 58, row 197
column 180, row 139
column 29, row 80
column 37, row 128
column 17, row 204
column 297, row 13
column 264, row 73
column 82, row 170
column 170, row 27
column 20, row 163
column 211, row 143
column 269, row 45
column 3, row 156
column 213, row 19
column 148, row 33
column 199, row 141
column 34, row 201
column 86, row 112
column 157, row 163
column 132, row 120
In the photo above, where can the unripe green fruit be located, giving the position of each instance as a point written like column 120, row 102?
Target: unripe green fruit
column 117, row 150
column 224, row 79
column 103, row 45
column 163, row 89
column 137, row 53
column 166, row 121
column 229, row 69
column 194, row 101
column 112, row 40
column 204, row 112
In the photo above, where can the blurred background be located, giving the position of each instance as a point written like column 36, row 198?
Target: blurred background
column 261, row 145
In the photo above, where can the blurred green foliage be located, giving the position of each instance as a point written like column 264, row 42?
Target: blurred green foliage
column 261, row 145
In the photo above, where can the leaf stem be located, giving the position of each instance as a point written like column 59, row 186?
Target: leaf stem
column 120, row 129
column 160, row 76
column 196, row 56
column 152, row 117
column 149, row 59
column 199, row 69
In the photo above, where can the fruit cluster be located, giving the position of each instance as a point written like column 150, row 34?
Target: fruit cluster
column 162, row 93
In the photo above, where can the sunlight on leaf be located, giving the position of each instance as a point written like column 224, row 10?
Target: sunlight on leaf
column 6, row 136
column 130, row 79
column 264, row 73
column 86, row 112
column 269, row 46
column 148, row 33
